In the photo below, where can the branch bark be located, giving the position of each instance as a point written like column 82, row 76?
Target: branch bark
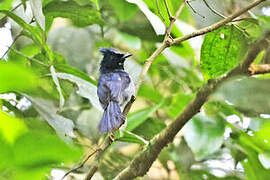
column 259, row 69
column 141, row 164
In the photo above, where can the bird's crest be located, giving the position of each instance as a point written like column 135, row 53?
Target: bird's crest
column 106, row 51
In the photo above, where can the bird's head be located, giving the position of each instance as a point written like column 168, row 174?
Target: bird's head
column 112, row 59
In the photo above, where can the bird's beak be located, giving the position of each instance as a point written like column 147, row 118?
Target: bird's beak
column 127, row 55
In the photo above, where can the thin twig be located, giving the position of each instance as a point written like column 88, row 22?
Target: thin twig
column 194, row 9
column 173, row 19
column 15, row 39
column 223, row 16
column 81, row 165
column 166, row 42
column 213, row 10
column 217, row 25
column 163, row 19
column 167, row 8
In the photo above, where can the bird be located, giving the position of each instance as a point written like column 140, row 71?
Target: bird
column 115, row 88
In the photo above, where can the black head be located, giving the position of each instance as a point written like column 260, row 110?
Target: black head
column 112, row 59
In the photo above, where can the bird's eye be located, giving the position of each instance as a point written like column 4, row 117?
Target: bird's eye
column 120, row 64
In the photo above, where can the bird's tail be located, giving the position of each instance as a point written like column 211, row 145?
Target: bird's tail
column 112, row 117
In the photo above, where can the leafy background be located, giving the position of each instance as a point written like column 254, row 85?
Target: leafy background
column 50, row 110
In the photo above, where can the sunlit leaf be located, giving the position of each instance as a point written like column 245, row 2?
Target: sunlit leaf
column 5, row 5
column 38, row 148
column 264, row 158
column 155, row 21
column 221, row 50
column 74, row 71
column 11, row 127
column 16, row 78
column 253, row 168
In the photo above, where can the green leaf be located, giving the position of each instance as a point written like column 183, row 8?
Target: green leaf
column 58, row 87
column 74, row 71
column 131, row 41
column 6, row 155
column 32, row 32
column 126, row 136
column 136, row 118
column 264, row 158
column 253, row 168
column 204, row 135
column 221, row 50
column 80, row 16
column 149, row 128
column 63, row 126
column 16, row 78
column 39, row 148
column 236, row 92
column 150, row 93
column 31, row 173
column 215, row 107
column 6, row 5
column 11, row 127
column 179, row 102
column 155, row 21
column 123, row 10
column 86, row 89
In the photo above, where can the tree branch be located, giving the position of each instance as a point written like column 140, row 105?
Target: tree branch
column 259, row 69
column 166, row 43
column 167, row 8
column 163, row 19
column 217, row 25
column 141, row 164
column 213, row 10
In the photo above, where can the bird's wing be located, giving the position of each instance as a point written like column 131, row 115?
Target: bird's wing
column 115, row 86
column 110, row 87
